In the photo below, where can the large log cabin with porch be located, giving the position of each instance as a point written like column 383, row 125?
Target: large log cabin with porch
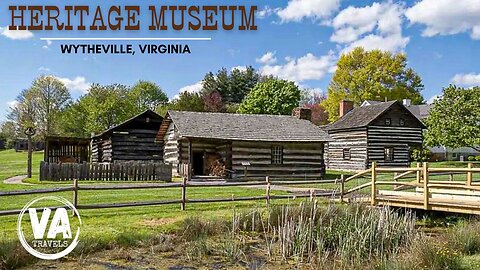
column 132, row 140
column 384, row 132
column 241, row 146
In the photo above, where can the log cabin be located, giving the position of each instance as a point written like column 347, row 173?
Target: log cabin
column 243, row 146
column 384, row 132
column 132, row 140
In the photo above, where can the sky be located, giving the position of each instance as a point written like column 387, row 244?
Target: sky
column 299, row 40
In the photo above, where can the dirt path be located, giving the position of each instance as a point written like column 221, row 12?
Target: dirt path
column 17, row 180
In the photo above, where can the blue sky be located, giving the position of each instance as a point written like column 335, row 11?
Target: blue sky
column 298, row 40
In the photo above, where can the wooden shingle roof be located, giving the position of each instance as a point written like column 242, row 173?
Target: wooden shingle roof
column 245, row 127
column 362, row 116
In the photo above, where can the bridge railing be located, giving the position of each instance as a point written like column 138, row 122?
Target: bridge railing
column 423, row 182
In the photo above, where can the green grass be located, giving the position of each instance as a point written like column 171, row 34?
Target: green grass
column 115, row 221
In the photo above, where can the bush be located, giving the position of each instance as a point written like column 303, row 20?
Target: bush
column 426, row 253
column 420, row 155
column 477, row 158
column 465, row 238
column 471, row 158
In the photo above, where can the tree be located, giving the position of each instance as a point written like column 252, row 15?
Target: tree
column 273, row 96
column 146, row 95
column 232, row 87
column 213, row 102
column 102, row 107
column 454, row 119
column 313, row 102
column 8, row 132
column 41, row 106
column 50, row 97
column 372, row 75
column 185, row 101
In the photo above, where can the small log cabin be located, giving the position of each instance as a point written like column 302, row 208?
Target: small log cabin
column 240, row 146
column 132, row 140
column 384, row 132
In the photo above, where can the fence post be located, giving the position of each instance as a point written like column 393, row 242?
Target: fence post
column 184, row 193
column 425, row 186
column 373, row 201
column 267, row 179
column 469, row 174
column 419, row 173
column 342, row 187
column 75, row 194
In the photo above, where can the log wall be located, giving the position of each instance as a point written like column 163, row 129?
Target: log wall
column 356, row 141
column 171, row 150
column 300, row 160
column 402, row 139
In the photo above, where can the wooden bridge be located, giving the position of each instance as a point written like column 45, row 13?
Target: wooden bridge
column 422, row 187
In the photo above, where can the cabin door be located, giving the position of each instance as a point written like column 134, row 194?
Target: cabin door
column 197, row 164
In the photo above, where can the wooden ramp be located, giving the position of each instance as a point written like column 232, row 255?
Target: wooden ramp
column 423, row 192
column 441, row 201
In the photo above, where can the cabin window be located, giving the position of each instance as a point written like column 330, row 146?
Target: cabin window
column 401, row 122
column 388, row 121
column 277, row 155
column 346, row 153
column 388, row 153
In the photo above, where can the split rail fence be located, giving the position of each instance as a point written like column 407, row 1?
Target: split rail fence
column 182, row 201
column 451, row 196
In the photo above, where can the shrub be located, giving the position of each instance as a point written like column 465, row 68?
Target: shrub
column 477, row 158
column 426, row 253
column 471, row 158
column 465, row 238
column 420, row 155
column 195, row 228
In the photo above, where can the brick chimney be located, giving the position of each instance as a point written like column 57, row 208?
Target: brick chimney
column 302, row 113
column 345, row 107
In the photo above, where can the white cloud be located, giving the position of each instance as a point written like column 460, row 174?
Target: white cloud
column 12, row 104
column 79, row 84
column 240, row 68
column 392, row 43
column 266, row 11
column 467, row 80
column 44, row 69
column 296, row 10
column 15, row 34
column 433, row 98
column 446, row 17
column 47, row 46
column 193, row 88
column 378, row 26
column 267, row 58
column 307, row 67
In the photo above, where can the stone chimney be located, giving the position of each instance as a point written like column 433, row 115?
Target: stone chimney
column 407, row 102
column 345, row 107
column 302, row 113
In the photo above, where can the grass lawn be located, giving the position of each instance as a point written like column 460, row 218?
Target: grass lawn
column 118, row 221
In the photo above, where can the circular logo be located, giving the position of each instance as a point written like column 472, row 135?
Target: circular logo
column 48, row 229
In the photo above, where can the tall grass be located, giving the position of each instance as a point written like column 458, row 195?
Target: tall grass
column 352, row 234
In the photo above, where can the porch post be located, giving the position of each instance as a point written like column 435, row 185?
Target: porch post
column 190, row 160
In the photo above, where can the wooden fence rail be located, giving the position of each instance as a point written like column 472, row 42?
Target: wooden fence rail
column 421, row 198
column 122, row 171
column 183, row 201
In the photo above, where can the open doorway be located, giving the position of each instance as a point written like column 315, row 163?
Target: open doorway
column 197, row 164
